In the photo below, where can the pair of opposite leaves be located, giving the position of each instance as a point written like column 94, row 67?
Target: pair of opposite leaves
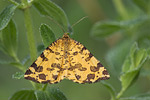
column 66, row 58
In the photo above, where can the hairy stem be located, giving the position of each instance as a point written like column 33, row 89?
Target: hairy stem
column 30, row 34
column 30, row 38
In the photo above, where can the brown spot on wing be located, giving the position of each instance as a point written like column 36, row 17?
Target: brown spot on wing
column 57, row 53
column 99, row 65
column 71, row 68
column 78, row 65
column 89, row 77
column 34, row 65
column 28, row 72
column 31, row 78
column 90, row 55
column 75, row 53
column 55, row 77
column 42, row 76
column 102, row 78
column 43, row 57
column 77, row 76
column 55, row 65
column 82, row 69
column 51, row 51
column 39, row 69
column 84, row 48
column 50, row 69
column 44, row 82
column 88, row 58
column 105, row 72
column 94, row 68
column 62, row 69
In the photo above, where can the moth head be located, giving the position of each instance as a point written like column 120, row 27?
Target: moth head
column 66, row 35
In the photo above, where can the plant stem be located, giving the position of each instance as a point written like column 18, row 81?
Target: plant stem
column 21, row 66
column 121, row 9
column 30, row 34
column 30, row 38
column 120, row 94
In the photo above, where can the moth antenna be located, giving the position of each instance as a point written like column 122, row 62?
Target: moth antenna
column 79, row 21
column 57, row 24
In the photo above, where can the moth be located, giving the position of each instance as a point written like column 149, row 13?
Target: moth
column 66, row 58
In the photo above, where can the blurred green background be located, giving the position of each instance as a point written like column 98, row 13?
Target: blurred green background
column 104, row 48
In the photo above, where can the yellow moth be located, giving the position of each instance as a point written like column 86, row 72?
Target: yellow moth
column 66, row 58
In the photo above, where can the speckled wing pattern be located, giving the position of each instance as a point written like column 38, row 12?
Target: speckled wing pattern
column 48, row 66
column 84, row 67
column 66, row 58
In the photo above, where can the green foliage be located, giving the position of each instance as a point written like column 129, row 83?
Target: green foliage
column 9, row 39
column 6, row 15
column 54, row 12
column 24, row 95
column 126, row 56
column 47, row 35
column 143, row 5
column 132, row 66
column 107, row 28
column 116, row 55
column 103, row 29
column 111, row 89
column 56, row 94
column 50, row 94
column 18, row 75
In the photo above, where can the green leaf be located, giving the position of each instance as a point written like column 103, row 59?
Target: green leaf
column 115, row 56
column 5, row 62
column 15, row 64
column 41, row 95
column 50, row 9
column 106, row 28
column 50, row 94
column 111, row 89
column 18, row 65
column 103, row 29
column 132, row 67
column 6, row 15
column 145, row 96
column 143, row 5
column 9, row 39
column 24, row 95
column 55, row 94
column 2, row 48
column 47, row 35
column 18, row 75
